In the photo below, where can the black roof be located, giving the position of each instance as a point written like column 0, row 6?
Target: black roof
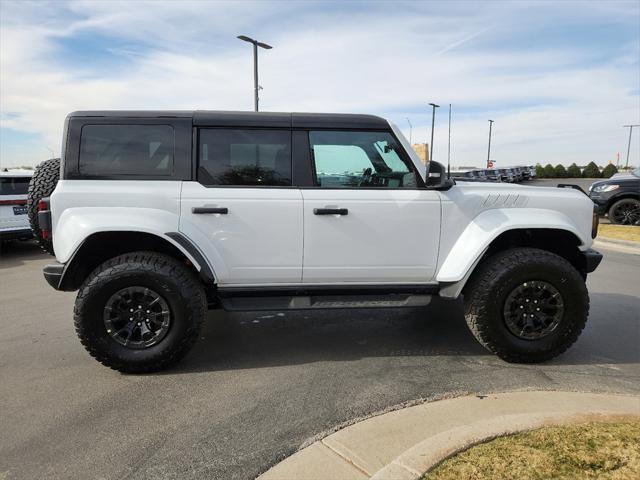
column 251, row 119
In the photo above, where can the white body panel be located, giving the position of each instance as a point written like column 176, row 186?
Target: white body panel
column 388, row 236
column 258, row 241
column 473, row 214
column 271, row 236
column 80, row 208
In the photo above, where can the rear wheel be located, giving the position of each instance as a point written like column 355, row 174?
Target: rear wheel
column 140, row 312
column 43, row 183
column 625, row 212
column 526, row 305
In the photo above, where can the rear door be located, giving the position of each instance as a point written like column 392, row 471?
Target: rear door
column 242, row 211
column 368, row 219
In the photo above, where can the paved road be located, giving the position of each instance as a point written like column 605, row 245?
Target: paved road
column 255, row 388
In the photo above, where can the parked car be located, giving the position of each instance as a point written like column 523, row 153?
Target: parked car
column 14, row 224
column 493, row 175
column 532, row 171
column 619, row 198
column 480, row 174
column 156, row 216
column 466, row 176
column 517, row 174
column 506, row 175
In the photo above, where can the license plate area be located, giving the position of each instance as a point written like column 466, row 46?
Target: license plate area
column 20, row 210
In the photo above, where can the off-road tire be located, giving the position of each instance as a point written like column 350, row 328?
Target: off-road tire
column 491, row 283
column 42, row 184
column 629, row 204
column 178, row 285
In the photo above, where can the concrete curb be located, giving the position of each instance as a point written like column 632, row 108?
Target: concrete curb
column 403, row 444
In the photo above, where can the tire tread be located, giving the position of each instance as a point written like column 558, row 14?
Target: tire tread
column 478, row 293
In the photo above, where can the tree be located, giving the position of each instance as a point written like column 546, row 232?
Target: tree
column 549, row 171
column 574, row 171
column 591, row 171
column 539, row 171
column 609, row 170
column 560, row 171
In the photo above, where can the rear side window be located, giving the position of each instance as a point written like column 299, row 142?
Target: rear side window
column 244, row 157
column 14, row 185
column 146, row 150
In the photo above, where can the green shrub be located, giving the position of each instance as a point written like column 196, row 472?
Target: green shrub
column 539, row 171
column 549, row 171
column 561, row 172
column 573, row 171
column 591, row 171
column 609, row 171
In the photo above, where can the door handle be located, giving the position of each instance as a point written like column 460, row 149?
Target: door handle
column 221, row 210
column 330, row 211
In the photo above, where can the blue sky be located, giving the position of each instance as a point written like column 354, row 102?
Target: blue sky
column 559, row 78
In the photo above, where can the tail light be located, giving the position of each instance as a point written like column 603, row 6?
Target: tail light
column 13, row 202
column 44, row 218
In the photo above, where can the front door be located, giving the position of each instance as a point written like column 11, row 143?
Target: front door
column 367, row 220
column 242, row 211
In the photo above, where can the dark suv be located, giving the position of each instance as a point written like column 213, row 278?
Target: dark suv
column 619, row 197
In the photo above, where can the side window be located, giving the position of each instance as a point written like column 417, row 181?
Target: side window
column 127, row 150
column 352, row 159
column 244, row 157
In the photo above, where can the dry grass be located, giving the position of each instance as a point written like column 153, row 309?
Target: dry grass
column 603, row 450
column 620, row 232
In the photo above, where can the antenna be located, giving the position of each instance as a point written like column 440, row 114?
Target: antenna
column 410, row 128
column 449, row 148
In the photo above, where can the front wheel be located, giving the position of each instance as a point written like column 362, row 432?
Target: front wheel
column 625, row 212
column 140, row 312
column 526, row 305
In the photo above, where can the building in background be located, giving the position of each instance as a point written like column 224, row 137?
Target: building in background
column 422, row 149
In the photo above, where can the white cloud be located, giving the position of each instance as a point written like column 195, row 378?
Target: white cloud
column 550, row 104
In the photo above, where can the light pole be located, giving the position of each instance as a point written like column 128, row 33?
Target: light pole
column 489, row 149
column 630, row 127
column 255, row 44
column 449, row 147
column 410, row 128
column 433, row 123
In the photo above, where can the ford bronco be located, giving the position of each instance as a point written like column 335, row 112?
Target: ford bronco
column 154, row 217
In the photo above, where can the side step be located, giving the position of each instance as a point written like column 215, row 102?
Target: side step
column 287, row 298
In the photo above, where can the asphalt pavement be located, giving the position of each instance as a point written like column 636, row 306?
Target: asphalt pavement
column 258, row 386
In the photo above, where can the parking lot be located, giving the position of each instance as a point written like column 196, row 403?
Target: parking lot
column 257, row 386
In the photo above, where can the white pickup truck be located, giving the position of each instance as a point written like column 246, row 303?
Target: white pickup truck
column 156, row 216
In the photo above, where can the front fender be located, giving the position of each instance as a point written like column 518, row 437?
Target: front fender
column 77, row 224
column 489, row 224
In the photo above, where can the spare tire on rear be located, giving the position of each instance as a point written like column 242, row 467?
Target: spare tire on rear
column 44, row 181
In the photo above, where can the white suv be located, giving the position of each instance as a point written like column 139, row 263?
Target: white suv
column 14, row 224
column 158, row 216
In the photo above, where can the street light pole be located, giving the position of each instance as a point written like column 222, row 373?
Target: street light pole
column 630, row 127
column 256, row 86
column 489, row 149
column 410, row 128
column 433, row 123
column 449, row 147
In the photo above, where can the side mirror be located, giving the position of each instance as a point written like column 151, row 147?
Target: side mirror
column 436, row 174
